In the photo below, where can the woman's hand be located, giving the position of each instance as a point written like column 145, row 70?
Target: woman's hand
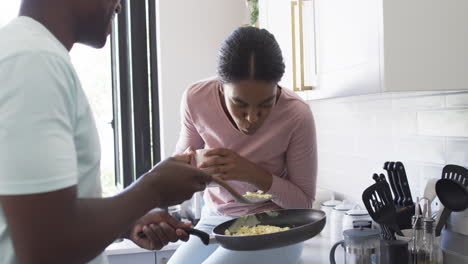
column 159, row 228
column 232, row 166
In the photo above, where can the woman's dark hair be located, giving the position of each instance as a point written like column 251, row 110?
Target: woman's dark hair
column 250, row 53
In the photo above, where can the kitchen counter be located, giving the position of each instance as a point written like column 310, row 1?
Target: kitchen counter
column 316, row 250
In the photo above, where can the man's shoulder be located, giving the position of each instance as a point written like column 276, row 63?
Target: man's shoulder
column 19, row 39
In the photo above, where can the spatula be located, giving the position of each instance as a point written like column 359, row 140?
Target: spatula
column 239, row 198
column 378, row 201
column 449, row 173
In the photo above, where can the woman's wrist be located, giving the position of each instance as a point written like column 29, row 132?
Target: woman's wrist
column 263, row 179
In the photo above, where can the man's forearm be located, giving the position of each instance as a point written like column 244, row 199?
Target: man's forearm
column 82, row 228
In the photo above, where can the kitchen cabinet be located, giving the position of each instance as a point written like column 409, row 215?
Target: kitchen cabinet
column 286, row 19
column 425, row 45
column 368, row 46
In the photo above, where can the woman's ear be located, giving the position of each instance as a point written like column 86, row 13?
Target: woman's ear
column 221, row 90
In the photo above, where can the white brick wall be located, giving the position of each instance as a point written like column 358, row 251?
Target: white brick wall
column 356, row 135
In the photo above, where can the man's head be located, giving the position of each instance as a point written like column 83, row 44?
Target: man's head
column 74, row 21
column 93, row 21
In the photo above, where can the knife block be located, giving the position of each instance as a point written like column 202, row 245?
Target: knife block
column 404, row 215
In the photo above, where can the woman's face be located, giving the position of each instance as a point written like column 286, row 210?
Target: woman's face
column 249, row 102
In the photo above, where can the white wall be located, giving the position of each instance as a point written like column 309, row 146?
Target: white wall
column 356, row 135
column 189, row 35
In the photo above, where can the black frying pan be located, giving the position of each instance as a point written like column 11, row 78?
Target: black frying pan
column 304, row 224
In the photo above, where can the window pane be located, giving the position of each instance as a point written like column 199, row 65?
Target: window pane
column 94, row 70
column 8, row 11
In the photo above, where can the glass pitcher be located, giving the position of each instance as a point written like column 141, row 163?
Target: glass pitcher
column 361, row 246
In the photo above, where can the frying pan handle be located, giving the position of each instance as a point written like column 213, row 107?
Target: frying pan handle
column 333, row 249
column 205, row 238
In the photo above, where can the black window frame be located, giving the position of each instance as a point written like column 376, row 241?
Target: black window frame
column 135, row 91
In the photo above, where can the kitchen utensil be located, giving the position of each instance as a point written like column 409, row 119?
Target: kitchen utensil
column 238, row 197
column 378, row 177
column 454, row 196
column 396, row 194
column 386, row 232
column 453, row 172
column 456, row 173
column 430, row 192
column 304, row 224
column 204, row 237
column 394, row 251
column 378, row 202
column 362, row 246
column 248, row 220
column 399, row 188
column 404, row 214
column 442, row 220
column 407, row 198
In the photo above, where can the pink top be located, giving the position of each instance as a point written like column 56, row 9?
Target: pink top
column 285, row 146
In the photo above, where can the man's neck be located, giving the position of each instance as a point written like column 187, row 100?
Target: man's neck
column 58, row 23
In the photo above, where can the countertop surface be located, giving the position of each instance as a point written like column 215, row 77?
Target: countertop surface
column 316, row 250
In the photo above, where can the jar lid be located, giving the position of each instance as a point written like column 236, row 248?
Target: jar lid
column 331, row 203
column 357, row 211
column 361, row 234
column 344, row 206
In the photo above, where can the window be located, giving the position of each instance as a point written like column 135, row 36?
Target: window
column 135, row 90
column 93, row 67
column 120, row 81
column 9, row 11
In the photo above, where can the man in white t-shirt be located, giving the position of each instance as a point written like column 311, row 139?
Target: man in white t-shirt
column 51, row 210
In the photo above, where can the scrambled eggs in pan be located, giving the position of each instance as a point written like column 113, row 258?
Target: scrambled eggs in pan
column 256, row 230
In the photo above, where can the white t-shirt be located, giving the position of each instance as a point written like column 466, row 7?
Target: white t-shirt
column 48, row 138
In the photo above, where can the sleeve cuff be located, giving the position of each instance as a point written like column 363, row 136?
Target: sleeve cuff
column 35, row 187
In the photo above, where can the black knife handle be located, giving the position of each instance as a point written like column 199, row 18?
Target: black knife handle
column 408, row 199
column 396, row 179
column 391, row 179
column 376, row 177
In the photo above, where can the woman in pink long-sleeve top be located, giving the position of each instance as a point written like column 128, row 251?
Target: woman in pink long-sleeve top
column 262, row 138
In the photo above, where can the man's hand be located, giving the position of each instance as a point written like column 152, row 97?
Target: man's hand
column 159, row 228
column 188, row 156
column 172, row 182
